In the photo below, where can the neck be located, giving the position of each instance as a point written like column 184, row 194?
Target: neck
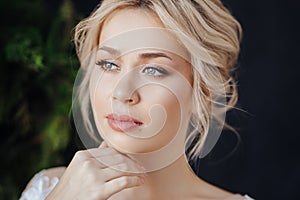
column 171, row 182
column 176, row 181
column 171, row 179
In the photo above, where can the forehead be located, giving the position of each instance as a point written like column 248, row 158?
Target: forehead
column 127, row 19
column 135, row 28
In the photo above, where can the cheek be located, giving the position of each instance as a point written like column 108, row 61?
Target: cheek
column 171, row 106
column 100, row 88
column 154, row 101
column 165, row 111
column 100, row 92
column 173, row 111
column 177, row 101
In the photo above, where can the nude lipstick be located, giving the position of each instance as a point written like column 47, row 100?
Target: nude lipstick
column 123, row 123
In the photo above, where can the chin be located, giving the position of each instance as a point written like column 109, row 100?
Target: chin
column 129, row 145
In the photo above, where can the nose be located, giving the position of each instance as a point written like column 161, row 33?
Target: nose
column 126, row 99
column 126, row 91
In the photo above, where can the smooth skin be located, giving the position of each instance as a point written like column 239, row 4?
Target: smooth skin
column 88, row 178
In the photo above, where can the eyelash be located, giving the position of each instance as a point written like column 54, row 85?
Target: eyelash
column 162, row 72
column 103, row 64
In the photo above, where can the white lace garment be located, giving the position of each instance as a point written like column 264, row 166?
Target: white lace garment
column 41, row 186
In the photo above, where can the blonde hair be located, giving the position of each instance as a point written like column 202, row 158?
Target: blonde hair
column 213, row 41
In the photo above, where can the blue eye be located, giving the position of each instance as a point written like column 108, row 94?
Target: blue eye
column 154, row 71
column 107, row 66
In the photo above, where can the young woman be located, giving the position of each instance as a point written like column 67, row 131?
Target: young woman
column 156, row 81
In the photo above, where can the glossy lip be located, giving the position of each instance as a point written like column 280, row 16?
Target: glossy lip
column 123, row 123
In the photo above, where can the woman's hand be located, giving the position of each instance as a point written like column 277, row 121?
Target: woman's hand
column 97, row 174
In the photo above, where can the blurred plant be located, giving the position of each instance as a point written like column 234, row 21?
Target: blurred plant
column 38, row 67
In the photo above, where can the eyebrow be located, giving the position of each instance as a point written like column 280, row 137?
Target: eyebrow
column 149, row 55
column 110, row 50
column 154, row 55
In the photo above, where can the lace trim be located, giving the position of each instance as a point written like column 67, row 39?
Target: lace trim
column 41, row 186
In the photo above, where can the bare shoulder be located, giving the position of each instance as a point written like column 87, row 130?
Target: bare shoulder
column 209, row 191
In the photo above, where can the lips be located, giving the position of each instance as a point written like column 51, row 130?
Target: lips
column 123, row 123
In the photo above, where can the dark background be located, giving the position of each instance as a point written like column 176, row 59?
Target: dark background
column 38, row 67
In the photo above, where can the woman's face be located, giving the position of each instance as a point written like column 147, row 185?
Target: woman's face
column 141, row 96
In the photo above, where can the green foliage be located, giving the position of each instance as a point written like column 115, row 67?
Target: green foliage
column 37, row 70
column 25, row 48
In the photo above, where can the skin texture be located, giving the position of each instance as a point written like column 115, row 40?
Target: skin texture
column 118, row 91
column 102, row 173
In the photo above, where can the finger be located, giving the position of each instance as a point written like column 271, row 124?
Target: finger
column 92, row 153
column 122, row 169
column 98, row 152
column 104, row 157
column 120, row 162
column 116, row 185
column 109, row 157
column 129, row 167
